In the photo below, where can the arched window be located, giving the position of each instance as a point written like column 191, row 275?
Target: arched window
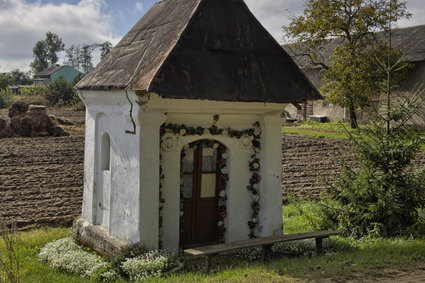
column 106, row 152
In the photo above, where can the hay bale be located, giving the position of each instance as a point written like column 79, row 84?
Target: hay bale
column 61, row 121
column 36, row 123
column 18, row 108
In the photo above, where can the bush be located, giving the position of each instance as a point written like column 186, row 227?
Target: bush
column 150, row 264
column 5, row 97
column 60, row 92
column 384, row 196
column 66, row 255
column 35, row 90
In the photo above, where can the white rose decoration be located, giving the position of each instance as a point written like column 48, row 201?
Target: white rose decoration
column 224, row 156
column 257, row 131
column 216, row 145
column 181, row 213
column 220, row 223
column 255, row 220
column 246, row 142
column 182, row 132
column 224, row 170
column 222, row 193
column 256, row 186
column 257, row 150
column 169, row 141
column 225, row 133
column 256, row 198
column 207, row 132
column 256, row 165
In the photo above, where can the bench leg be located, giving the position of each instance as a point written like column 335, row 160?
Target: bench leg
column 208, row 259
column 319, row 246
column 266, row 249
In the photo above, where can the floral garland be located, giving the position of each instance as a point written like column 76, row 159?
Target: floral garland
column 161, row 200
column 250, row 137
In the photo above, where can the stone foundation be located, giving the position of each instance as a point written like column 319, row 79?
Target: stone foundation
column 96, row 238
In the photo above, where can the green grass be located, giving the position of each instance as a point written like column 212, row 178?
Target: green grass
column 349, row 259
column 331, row 130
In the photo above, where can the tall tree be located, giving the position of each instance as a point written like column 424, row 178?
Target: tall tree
column 40, row 57
column 345, row 78
column 73, row 56
column 105, row 48
column 86, row 57
column 45, row 52
column 54, row 45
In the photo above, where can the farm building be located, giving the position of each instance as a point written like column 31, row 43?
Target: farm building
column 52, row 73
column 410, row 40
column 183, row 129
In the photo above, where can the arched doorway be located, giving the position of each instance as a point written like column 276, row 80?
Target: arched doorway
column 203, row 184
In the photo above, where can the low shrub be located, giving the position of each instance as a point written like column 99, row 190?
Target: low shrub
column 60, row 92
column 150, row 264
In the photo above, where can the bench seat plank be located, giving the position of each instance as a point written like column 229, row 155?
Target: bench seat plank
column 219, row 248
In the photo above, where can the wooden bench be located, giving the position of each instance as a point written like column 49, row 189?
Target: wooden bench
column 266, row 243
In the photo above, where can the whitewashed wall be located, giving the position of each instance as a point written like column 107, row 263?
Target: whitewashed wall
column 131, row 211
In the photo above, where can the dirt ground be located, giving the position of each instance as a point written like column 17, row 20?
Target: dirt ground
column 41, row 179
column 307, row 163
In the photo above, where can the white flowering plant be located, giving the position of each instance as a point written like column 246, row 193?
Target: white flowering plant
column 66, row 255
column 150, row 264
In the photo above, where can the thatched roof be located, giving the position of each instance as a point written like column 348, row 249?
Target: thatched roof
column 202, row 49
column 410, row 40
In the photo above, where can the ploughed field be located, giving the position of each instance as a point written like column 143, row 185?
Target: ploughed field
column 41, row 179
column 308, row 163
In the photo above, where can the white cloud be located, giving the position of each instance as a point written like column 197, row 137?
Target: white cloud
column 417, row 8
column 139, row 6
column 23, row 24
column 274, row 14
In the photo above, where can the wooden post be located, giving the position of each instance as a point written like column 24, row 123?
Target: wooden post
column 208, row 263
column 266, row 252
column 319, row 246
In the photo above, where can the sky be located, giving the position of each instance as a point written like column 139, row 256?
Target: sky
column 24, row 22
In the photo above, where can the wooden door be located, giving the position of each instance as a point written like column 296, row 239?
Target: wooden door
column 198, row 225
